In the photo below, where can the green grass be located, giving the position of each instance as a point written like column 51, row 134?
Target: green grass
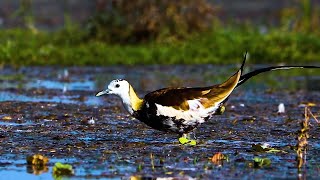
column 19, row 47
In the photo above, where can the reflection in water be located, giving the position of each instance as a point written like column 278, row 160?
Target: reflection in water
column 50, row 84
column 65, row 88
column 36, row 169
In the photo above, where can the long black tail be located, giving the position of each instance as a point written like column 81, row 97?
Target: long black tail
column 249, row 75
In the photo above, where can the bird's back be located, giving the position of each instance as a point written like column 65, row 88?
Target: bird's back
column 208, row 96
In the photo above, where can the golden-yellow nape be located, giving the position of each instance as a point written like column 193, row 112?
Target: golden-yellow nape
column 136, row 102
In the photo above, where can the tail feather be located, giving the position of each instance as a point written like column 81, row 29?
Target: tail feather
column 244, row 61
column 249, row 75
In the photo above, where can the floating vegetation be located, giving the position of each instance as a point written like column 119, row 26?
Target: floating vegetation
column 62, row 170
column 261, row 162
column 264, row 148
column 37, row 164
column 37, row 160
column 184, row 140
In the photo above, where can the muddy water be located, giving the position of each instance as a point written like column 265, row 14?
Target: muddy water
column 47, row 110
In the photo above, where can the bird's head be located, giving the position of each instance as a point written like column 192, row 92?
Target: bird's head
column 117, row 87
column 124, row 90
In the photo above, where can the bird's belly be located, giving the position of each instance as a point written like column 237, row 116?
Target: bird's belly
column 166, row 118
column 171, row 124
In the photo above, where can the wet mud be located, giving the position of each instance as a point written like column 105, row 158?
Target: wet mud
column 54, row 112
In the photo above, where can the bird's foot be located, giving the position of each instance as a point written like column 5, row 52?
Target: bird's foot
column 186, row 141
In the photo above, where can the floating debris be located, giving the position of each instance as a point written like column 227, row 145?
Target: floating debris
column 281, row 108
column 90, row 121
column 6, row 118
column 37, row 164
column 37, row 159
column 64, row 76
column 265, row 148
column 218, row 158
column 65, row 73
column 305, row 104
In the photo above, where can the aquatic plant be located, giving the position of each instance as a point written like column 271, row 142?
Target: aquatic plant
column 302, row 141
column 302, row 137
column 37, row 164
column 261, row 162
column 61, row 170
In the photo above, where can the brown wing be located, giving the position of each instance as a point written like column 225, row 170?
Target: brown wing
column 208, row 96
column 175, row 97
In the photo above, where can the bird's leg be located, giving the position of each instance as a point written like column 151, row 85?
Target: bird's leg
column 186, row 140
column 220, row 110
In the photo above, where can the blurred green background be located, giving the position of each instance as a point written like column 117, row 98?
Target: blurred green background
column 108, row 32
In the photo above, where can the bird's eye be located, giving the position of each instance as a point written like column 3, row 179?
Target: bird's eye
column 117, row 85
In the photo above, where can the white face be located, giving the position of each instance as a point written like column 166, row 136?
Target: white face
column 119, row 87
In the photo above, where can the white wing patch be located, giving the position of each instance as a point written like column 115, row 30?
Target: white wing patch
column 195, row 105
column 195, row 114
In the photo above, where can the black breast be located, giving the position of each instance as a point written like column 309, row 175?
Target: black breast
column 148, row 115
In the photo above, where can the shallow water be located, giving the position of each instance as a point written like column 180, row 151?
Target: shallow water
column 46, row 110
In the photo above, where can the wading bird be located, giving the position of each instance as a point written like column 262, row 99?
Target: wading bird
column 181, row 110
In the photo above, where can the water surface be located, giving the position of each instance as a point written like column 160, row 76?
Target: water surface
column 46, row 110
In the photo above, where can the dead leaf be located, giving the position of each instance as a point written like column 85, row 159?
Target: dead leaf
column 218, row 158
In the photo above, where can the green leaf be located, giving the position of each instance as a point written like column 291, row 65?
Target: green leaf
column 183, row 140
column 59, row 170
column 186, row 141
column 261, row 162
